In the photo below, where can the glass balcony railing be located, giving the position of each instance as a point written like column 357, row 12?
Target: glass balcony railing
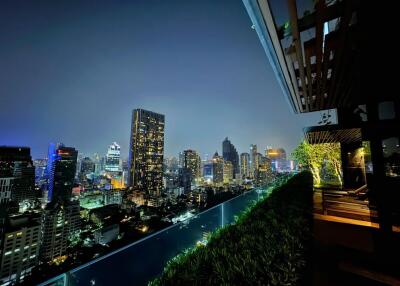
column 143, row 260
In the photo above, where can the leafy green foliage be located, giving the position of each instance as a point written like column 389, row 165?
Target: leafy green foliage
column 268, row 244
column 320, row 159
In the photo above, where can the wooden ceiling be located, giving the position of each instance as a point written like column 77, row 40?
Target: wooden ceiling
column 329, row 134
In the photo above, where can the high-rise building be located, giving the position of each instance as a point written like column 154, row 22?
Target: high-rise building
column 218, row 169
column 6, row 185
column 20, row 248
column 277, row 157
column 245, row 165
column 172, row 164
column 228, row 172
column 192, row 161
column 264, row 172
column 113, row 158
column 16, row 163
column 87, row 166
column 40, row 171
column 190, row 171
column 61, row 168
column 253, row 160
column 258, row 158
column 98, row 163
column 86, row 171
column 59, row 223
column 146, row 154
column 230, row 154
column 181, row 158
column 208, row 171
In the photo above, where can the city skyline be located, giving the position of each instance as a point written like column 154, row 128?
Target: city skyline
column 206, row 69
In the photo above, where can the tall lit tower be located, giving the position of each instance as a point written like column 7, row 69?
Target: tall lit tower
column 113, row 158
column 191, row 161
column 253, row 160
column 277, row 157
column 230, row 154
column 61, row 168
column 245, row 165
column 218, row 169
column 146, row 152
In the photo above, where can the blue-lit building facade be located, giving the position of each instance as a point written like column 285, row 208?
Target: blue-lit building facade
column 61, row 169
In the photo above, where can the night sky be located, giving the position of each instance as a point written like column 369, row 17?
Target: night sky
column 72, row 71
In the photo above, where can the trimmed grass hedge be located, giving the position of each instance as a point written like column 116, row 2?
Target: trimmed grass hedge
column 268, row 245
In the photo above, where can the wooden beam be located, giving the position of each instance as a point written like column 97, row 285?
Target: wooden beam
column 309, row 21
column 290, row 58
column 319, row 37
column 298, row 46
column 339, row 51
column 327, row 63
column 309, row 50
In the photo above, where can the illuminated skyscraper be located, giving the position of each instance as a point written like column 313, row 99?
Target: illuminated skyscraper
column 264, row 172
column 59, row 222
column 191, row 161
column 245, row 165
column 230, row 154
column 253, row 160
column 228, row 172
column 61, row 168
column 258, row 159
column 208, row 171
column 218, row 169
column 277, row 157
column 113, row 158
column 190, row 170
column 20, row 251
column 146, row 154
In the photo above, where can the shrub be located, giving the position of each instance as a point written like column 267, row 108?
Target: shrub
column 268, row 245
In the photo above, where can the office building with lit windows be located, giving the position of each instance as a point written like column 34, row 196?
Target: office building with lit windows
column 16, row 163
column 217, row 169
column 61, row 168
column 253, row 160
column 19, row 250
column 59, row 223
column 146, row 154
column 277, row 157
column 245, row 165
column 190, row 171
column 192, row 162
column 113, row 158
column 5, row 190
column 228, row 172
column 230, row 154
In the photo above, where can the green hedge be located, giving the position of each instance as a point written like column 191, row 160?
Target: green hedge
column 268, row 245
